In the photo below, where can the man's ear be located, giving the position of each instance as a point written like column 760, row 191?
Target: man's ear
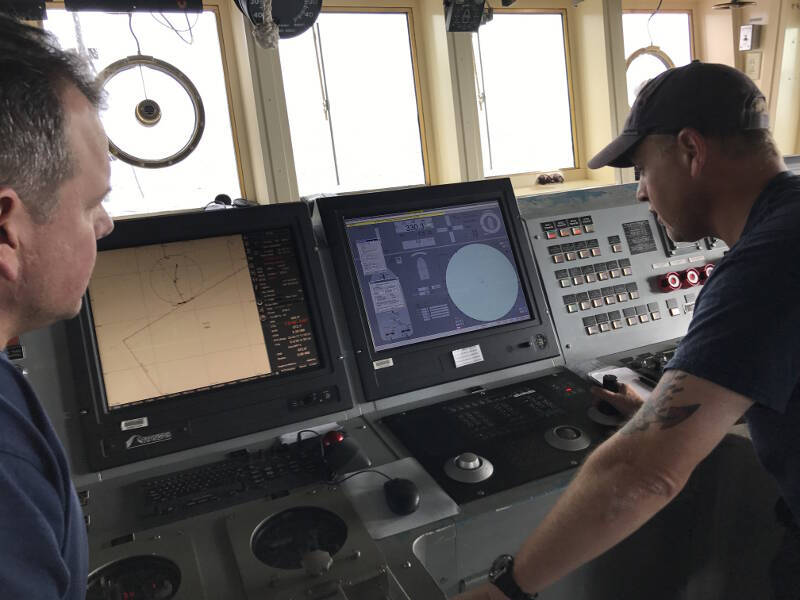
column 11, row 215
column 692, row 149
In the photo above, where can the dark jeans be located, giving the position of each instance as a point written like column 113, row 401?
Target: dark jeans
column 785, row 568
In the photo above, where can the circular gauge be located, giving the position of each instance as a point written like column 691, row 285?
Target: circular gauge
column 284, row 539
column 292, row 17
column 147, row 577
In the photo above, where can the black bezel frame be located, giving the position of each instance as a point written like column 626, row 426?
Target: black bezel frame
column 202, row 418
column 335, row 210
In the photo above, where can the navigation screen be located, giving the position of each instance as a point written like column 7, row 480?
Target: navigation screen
column 434, row 273
column 175, row 318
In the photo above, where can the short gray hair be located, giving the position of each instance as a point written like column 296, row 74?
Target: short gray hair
column 35, row 157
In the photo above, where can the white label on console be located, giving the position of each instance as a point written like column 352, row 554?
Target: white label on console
column 134, row 424
column 694, row 259
column 383, row 363
column 468, row 356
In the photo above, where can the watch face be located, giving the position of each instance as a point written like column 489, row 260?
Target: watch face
column 500, row 565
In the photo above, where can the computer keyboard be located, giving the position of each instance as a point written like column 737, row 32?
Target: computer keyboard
column 500, row 413
column 241, row 477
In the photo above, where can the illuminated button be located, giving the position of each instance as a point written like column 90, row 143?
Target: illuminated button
column 550, row 235
column 602, row 275
column 670, row 282
column 689, row 308
column 564, row 283
column 632, row 321
column 584, row 254
column 577, row 280
column 616, row 324
column 690, row 278
column 591, row 330
column 616, row 248
column 615, row 273
column 589, row 228
column 585, row 305
column 656, row 316
column 597, row 302
column 634, row 295
column 570, row 255
column 595, row 251
column 674, row 311
column 563, row 232
column 590, row 277
column 610, row 300
column 644, row 318
column 558, row 258
column 577, row 231
column 622, row 296
column 627, row 271
column 571, row 308
column 605, row 327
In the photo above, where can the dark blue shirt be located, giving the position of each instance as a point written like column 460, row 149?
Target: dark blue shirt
column 43, row 547
column 745, row 333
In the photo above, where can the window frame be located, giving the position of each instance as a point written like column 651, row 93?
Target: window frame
column 475, row 169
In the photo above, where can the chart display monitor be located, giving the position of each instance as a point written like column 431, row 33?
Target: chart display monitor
column 177, row 318
column 433, row 273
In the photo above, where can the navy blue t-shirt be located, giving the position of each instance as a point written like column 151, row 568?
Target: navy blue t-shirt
column 43, row 547
column 745, row 333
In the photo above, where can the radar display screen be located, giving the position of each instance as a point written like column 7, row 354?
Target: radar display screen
column 430, row 274
column 174, row 318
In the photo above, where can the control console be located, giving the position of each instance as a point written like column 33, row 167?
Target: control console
column 614, row 279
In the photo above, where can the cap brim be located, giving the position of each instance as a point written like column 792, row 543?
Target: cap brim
column 617, row 153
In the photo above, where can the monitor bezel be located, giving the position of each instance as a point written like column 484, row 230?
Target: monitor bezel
column 334, row 211
column 244, row 403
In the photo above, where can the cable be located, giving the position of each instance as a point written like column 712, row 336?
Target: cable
column 189, row 27
column 343, row 479
column 653, row 14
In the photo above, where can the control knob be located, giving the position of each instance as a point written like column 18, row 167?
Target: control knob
column 670, row 282
column 690, row 278
column 705, row 272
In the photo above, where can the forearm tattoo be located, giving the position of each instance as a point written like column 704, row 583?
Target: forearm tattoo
column 658, row 410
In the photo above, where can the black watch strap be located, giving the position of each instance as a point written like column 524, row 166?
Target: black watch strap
column 501, row 575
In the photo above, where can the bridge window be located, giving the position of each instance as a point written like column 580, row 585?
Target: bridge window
column 150, row 115
column 524, row 93
column 654, row 43
column 352, row 98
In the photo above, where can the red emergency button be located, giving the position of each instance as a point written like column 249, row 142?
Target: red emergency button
column 705, row 272
column 690, row 278
column 332, row 437
column 670, row 282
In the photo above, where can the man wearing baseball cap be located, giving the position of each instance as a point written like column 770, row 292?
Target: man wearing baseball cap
column 698, row 136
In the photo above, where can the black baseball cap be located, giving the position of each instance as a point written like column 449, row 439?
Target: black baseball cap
column 714, row 99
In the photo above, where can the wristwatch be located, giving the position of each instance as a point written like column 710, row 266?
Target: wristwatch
column 501, row 575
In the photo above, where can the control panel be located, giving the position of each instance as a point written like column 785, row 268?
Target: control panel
column 614, row 279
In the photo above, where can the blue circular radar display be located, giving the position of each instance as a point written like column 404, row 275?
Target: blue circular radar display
column 482, row 282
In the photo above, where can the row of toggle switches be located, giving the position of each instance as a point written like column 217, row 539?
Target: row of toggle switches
column 603, row 296
column 591, row 273
column 615, row 319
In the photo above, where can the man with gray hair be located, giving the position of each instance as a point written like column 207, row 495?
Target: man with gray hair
column 54, row 175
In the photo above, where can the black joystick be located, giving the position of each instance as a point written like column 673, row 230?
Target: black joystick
column 611, row 384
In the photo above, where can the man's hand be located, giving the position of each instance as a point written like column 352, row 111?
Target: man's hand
column 627, row 400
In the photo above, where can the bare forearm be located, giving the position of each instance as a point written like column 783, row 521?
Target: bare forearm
column 608, row 500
